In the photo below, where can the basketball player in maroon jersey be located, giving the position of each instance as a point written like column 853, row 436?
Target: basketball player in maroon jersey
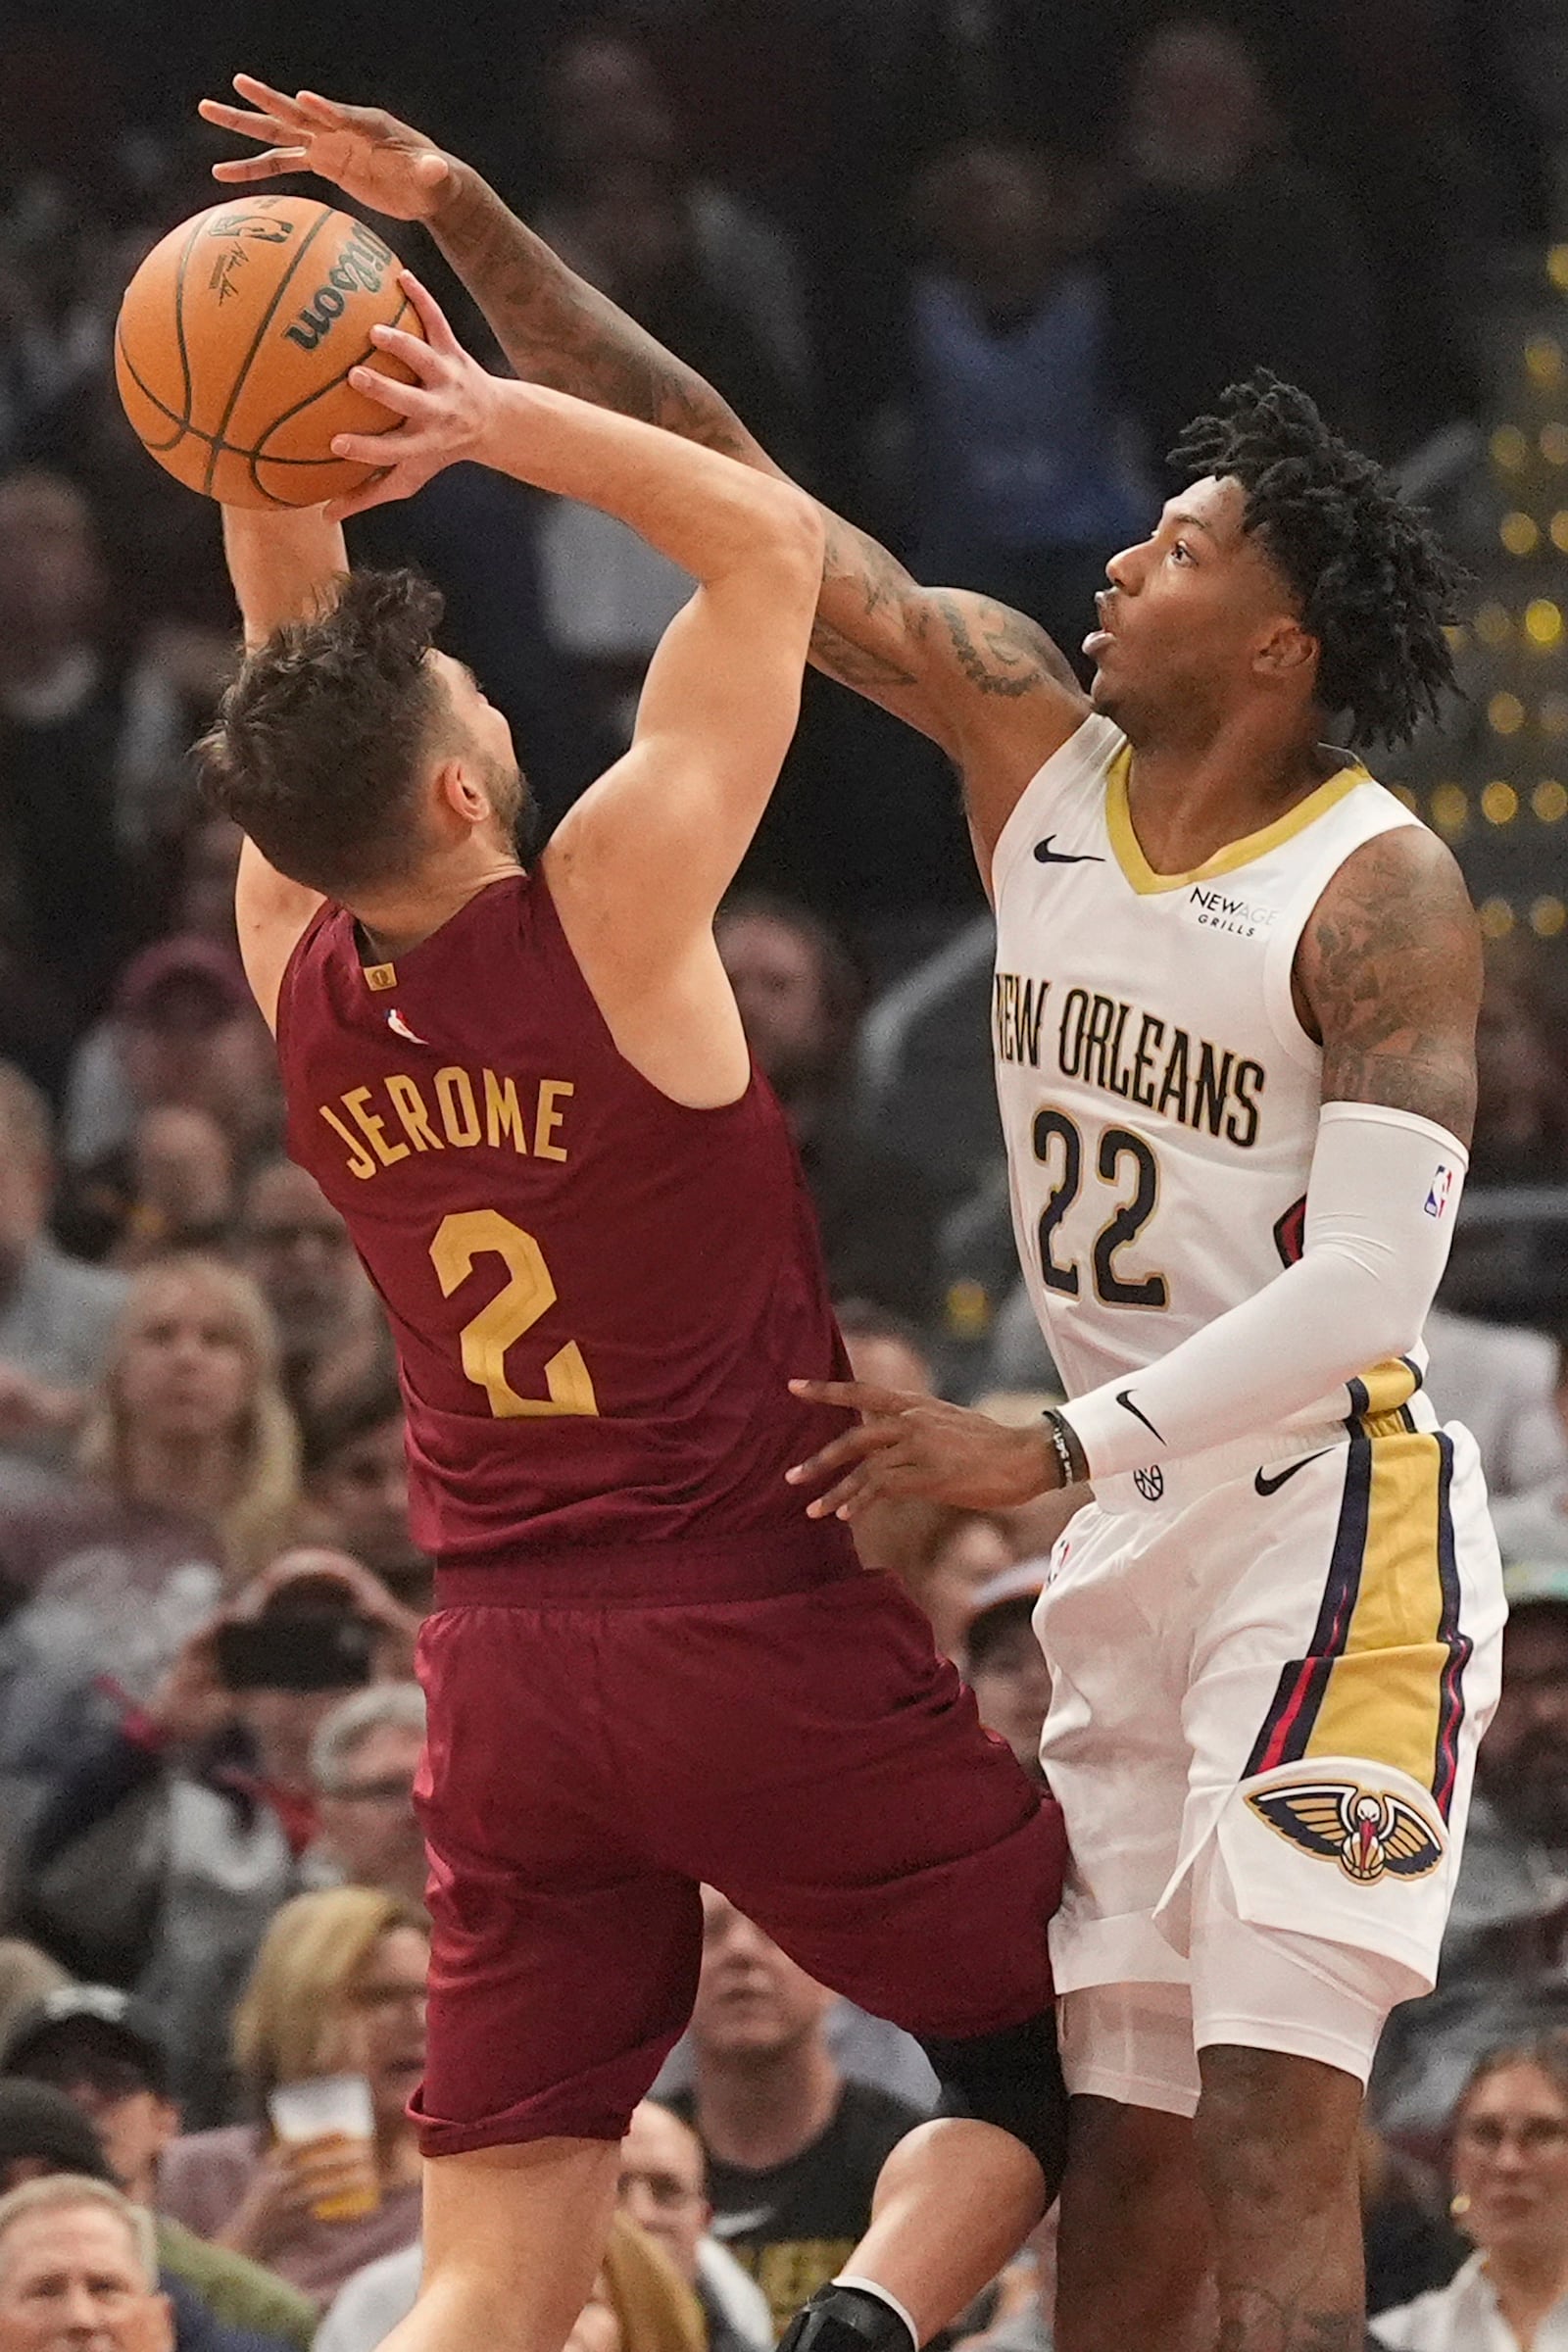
column 529, row 1094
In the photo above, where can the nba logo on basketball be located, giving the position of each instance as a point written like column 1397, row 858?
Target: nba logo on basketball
column 1438, row 1195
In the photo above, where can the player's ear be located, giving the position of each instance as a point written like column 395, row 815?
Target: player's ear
column 1287, row 650
column 460, row 792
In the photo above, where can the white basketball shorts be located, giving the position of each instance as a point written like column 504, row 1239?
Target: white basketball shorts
column 1269, row 1679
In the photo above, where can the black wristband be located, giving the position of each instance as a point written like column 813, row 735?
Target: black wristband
column 1064, row 1444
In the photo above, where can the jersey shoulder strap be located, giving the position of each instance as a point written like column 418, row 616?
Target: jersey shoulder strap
column 1078, row 766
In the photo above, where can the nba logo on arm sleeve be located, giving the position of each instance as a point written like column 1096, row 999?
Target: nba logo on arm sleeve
column 1437, row 1200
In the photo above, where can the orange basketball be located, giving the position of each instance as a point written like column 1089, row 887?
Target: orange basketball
column 234, row 343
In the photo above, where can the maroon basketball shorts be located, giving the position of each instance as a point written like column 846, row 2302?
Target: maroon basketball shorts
column 590, row 1764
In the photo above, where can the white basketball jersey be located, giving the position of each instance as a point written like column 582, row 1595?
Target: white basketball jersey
column 1160, row 1097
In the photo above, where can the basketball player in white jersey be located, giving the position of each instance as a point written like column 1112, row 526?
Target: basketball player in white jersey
column 1234, row 1025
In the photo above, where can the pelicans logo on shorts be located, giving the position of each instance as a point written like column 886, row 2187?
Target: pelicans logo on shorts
column 1366, row 1830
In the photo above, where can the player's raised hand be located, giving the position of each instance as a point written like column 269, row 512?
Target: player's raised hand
column 366, row 152
column 443, row 413
column 908, row 1443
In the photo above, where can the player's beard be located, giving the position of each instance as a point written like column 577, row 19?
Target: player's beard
column 507, row 787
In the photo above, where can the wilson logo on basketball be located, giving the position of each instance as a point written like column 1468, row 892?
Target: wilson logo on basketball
column 361, row 264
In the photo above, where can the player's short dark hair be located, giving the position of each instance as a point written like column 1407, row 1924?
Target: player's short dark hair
column 1375, row 585
column 320, row 740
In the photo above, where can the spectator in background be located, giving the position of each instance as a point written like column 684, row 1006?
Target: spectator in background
column 706, row 277
column 172, row 1833
column 1521, row 1073
column 26, row 1977
column 944, row 1573
column 1227, row 250
column 639, row 2304
column 1004, row 1664
column 77, row 2265
column 293, row 1242
column 83, row 728
column 1500, row 1381
column 357, row 1482
column 56, row 1316
column 664, row 2190
column 338, row 1987
column 1532, row 1524
column 1504, row 1967
column 1510, row 2177
column 1025, row 476
column 607, row 112
column 364, row 1760
column 884, row 1348
column 1409, row 2242
column 107, row 2053
column 183, row 1034
column 189, row 1477
column 204, row 894
column 799, row 1001
column 793, row 2147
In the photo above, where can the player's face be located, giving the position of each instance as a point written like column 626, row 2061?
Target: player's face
column 1187, row 621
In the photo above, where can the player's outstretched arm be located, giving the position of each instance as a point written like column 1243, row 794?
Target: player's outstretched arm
column 985, row 683
column 657, row 842
column 283, row 565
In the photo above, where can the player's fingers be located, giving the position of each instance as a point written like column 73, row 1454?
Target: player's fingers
column 238, row 118
column 861, row 1395
column 438, row 333
column 871, row 1437
column 270, row 165
column 268, row 101
column 425, row 361
column 379, row 491
column 404, row 400
column 328, row 113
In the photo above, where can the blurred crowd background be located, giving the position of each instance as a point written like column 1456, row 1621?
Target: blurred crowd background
column 966, row 265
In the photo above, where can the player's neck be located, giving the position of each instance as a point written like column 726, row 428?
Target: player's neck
column 1188, row 799
column 397, row 920
column 765, row 2110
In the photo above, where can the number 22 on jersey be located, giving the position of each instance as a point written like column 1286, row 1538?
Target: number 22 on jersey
column 529, row 1292
column 1058, row 1143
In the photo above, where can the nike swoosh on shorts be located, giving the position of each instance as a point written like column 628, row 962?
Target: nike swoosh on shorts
column 1272, row 1486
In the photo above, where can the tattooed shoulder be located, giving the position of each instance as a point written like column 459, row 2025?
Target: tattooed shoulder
column 1390, row 968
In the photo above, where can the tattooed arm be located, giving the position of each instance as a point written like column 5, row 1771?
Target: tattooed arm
column 985, row 683
column 1389, row 976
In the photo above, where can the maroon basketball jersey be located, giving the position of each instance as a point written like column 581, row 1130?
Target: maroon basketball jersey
column 598, row 1296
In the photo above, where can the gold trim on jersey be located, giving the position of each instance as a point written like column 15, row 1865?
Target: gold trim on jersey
column 1383, row 1678
column 1141, row 876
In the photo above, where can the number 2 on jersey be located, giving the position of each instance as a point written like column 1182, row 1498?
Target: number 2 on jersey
column 1117, row 1145
column 470, row 1234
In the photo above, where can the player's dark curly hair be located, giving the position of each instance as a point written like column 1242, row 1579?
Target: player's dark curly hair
column 320, row 740
column 1374, row 584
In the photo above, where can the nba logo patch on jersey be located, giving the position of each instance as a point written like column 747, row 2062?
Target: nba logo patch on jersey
column 1441, row 1186
column 396, row 1022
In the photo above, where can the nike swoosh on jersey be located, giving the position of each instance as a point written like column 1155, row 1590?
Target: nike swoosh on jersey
column 1046, row 856
column 739, row 2225
column 1272, row 1486
column 1124, row 1398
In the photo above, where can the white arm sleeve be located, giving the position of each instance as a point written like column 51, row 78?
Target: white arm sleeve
column 1379, row 1208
